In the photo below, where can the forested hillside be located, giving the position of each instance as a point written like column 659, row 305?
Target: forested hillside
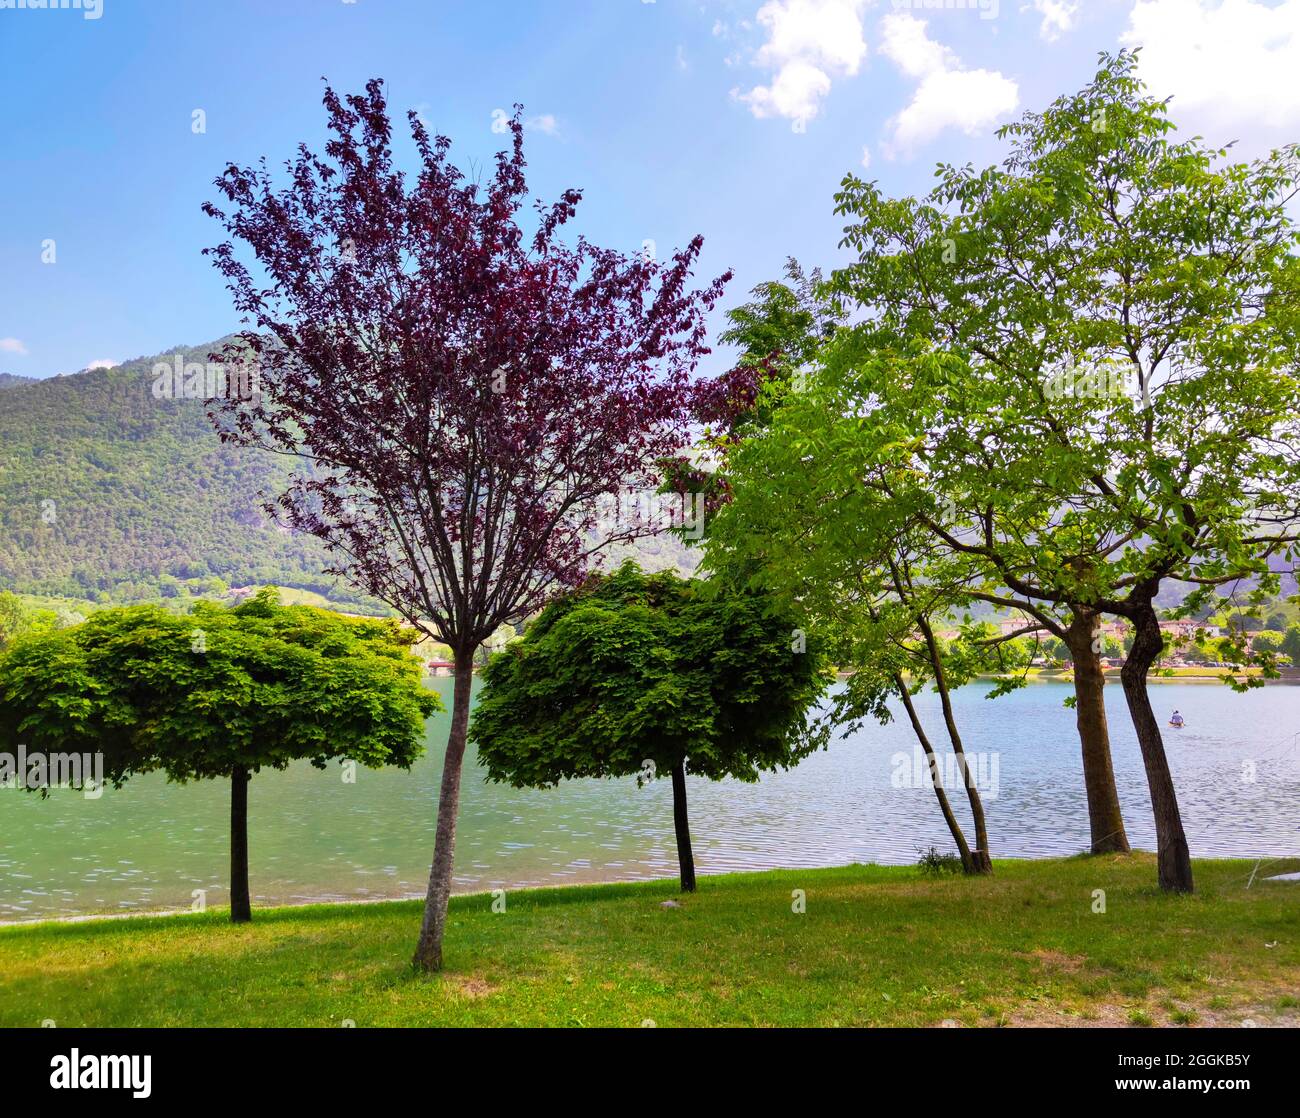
column 110, row 494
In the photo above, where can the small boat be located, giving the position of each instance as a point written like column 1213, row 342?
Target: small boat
column 1176, row 722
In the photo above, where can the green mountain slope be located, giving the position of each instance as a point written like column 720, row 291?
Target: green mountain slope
column 109, row 494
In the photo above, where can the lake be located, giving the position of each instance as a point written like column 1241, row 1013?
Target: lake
column 150, row 845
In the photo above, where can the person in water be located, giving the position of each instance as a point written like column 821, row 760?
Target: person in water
column 1175, row 719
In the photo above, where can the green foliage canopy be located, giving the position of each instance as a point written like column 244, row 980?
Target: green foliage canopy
column 635, row 668
column 1117, row 308
column 218, row 691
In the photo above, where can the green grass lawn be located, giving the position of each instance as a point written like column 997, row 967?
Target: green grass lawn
column 876, row 946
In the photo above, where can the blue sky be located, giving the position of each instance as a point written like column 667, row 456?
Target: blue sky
column 732, row 118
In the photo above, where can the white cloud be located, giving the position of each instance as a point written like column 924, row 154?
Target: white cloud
column 948, row 95
column 906, row 43
column 682, row 64
column 827, row 31
column 808, row 41
column 866, row 157
column 13, row 345
column 1232, row 67
column 794, row 93
column 546, row 124
column 102, row 363
column 1059, row 17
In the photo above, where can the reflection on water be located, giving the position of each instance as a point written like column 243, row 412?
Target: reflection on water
column 312, row 837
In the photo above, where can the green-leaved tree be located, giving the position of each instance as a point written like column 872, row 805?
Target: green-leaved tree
column 1118, row 408
column 217, row 694
column 640, row 674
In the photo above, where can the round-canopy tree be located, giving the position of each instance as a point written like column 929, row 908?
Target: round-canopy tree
column 634, row 674
column 219, row 693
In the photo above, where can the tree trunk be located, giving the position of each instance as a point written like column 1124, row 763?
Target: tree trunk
column 241, row 909
column 1105, row 820
column 936, row 779
column 1175, row 863
column 685, row 859
column 428, row 952
column 981, row 859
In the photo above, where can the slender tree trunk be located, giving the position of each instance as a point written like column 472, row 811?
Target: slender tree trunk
column 1175, row 863
column 936, row 779
column 241, row 909
column 428, row 952
column 980, row 856
column 685, row 859
column 1105, row 819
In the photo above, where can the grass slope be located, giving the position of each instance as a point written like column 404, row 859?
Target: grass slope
column 876, row 946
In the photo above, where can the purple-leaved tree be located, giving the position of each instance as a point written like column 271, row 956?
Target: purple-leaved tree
column 464, row 396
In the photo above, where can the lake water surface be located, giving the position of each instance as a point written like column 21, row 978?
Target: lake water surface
column 313, row 837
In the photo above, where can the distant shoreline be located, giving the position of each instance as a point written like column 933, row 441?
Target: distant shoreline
column 1182, row 675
